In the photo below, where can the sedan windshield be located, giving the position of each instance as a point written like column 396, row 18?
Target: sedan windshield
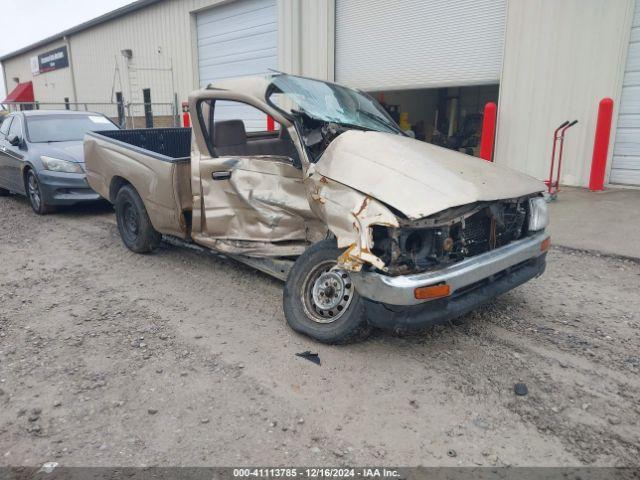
column 64, row 128
column 329, row 102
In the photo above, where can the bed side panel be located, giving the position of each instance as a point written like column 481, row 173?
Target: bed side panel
column 152, row 178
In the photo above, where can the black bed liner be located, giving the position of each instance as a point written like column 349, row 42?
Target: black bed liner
column 167, row 144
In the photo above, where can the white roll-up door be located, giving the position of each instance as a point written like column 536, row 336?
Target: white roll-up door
column 625, row 167
column 237, row 39
column 390, row 45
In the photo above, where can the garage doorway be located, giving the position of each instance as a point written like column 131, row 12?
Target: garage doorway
column 625, row 167
column 237, row 39
column 450, row 117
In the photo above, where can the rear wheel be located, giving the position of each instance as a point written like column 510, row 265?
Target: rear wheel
column 133, row 222
column 320, row 300
column 34, row 194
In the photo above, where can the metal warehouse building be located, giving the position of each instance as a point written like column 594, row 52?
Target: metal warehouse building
column 433, row 63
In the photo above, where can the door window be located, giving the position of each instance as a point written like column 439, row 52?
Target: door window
column 15, row 128
column 254, row 120
column 239, row 129
column 4, row 128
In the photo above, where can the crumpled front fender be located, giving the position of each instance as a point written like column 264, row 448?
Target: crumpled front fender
column 349, row 215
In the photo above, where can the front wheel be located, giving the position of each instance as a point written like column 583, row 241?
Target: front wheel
column 34, row 193
column 133, row 222
column 320, row 300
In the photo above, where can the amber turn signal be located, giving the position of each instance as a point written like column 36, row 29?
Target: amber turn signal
column 431, row 292
column 546, row 243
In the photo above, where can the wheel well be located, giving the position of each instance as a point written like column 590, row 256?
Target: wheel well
column 116, row 184
column 25, row 171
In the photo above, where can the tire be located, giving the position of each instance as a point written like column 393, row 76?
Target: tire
column 341, row 319
column 4, row 192
column 34, row 194
column 134, row 225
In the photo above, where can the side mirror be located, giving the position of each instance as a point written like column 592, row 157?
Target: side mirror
column 15, row 141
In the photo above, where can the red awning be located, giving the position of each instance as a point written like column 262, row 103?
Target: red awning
column 22, row 93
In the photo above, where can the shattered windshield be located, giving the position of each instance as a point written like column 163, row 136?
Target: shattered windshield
column 328, row 102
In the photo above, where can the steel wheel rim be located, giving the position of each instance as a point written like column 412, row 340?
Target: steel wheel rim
column 130, row 222
column 326, row 293
column 34, row 191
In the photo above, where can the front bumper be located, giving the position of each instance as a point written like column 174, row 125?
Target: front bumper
column 390, row 301
column 400, row 290
column 59, row 188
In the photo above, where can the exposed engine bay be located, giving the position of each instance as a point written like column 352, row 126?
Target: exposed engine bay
column 450, row 236
column 317, row 134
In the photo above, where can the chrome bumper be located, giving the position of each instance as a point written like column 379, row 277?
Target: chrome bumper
column 400, row 290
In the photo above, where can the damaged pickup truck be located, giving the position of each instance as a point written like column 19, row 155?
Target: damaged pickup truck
column 367, row 226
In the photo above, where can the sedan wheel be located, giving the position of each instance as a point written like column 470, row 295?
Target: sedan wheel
column 34, row 193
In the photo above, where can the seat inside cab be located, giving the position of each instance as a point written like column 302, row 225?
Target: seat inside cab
column 230, row 138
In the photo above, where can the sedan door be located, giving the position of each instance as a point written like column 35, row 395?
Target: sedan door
column 14, row 155
column 4, row 160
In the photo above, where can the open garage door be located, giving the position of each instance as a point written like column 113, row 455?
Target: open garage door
column 404, row 44
column 625, row 168
column 237, row 39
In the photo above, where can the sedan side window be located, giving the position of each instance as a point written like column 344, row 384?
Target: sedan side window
column 4, row 128
column 15, row 129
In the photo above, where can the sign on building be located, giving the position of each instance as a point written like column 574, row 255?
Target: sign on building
column 51, row 60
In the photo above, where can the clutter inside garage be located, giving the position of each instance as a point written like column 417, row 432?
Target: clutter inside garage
column 450, row 117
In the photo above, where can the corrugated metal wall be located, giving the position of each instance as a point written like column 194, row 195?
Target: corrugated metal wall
column 306, row 37
column 164, row 35
column 560, row 59
column 160, row 37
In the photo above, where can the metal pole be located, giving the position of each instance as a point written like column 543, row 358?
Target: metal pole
column 175, row 95
column 129, row 114
column 73, row 76
column 174, row 108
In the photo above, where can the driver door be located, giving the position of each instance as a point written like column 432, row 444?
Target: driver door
column 13, row 156
column 251, row 190
column 4, row 165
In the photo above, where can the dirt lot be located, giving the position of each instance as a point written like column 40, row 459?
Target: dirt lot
column 180, row 358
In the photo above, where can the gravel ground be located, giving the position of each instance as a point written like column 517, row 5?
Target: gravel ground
column 179, row 358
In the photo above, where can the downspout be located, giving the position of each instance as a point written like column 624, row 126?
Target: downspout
column 4, row 78
column 73, row 76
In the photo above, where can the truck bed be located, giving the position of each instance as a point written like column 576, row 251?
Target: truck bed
column 169, row 144
column 156, row 161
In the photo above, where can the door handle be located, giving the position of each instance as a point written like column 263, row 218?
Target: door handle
column 221, row 175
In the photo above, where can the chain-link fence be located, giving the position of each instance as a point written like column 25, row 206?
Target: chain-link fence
column 126, row 115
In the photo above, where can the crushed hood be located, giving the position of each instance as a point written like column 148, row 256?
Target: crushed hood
column 417, row 178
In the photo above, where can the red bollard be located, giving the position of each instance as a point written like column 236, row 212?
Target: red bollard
column 488, row 131
column 601, row 145
column 271, row 124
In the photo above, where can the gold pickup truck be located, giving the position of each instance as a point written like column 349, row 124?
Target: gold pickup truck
column 315, row 184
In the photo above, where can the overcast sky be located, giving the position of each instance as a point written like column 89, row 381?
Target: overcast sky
column 23, row 22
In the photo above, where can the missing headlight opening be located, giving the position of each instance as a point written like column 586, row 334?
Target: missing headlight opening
column 450, row 236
